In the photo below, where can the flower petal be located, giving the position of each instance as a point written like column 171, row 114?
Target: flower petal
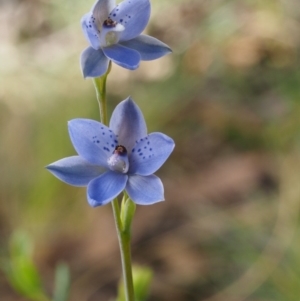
column 150, row 153
column 92, row 140
column 75, row 170
column 123, row 56
column 93, row 62
column 134, row 15
column 145, row 190
column 105, row 188
column 148, row 47
column 128, row 123
column 101, row 10
column 90, row 30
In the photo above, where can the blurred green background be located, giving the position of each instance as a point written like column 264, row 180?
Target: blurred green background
column 229, row 95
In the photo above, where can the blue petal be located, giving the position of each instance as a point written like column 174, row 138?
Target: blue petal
column 93, row 62
column 145, row 190
column 134, row 15
column 92, row 140
column 123, row 56
column 105, row 188
column 148, row 47
column 101, row 10
column 90, row 30
column 150, row 153
column 128, row 123
column 75, row 170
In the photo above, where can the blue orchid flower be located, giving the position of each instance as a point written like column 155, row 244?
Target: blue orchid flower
column 111, row 159
column 114, row 33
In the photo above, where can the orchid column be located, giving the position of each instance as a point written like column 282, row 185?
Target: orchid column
column 122, row 157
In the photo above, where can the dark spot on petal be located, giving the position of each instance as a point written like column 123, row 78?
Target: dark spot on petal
column 139, row 150
column 140, row 154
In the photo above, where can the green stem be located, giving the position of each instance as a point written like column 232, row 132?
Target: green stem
column 100, row 87
column 124, row 235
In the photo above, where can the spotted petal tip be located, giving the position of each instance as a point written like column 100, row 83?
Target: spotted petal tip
column 128, row 122
column 134, row 15
column 150, row 153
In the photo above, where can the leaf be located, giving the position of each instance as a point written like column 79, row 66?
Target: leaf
column 62, row 283
column 142, row 277
column 20, row 269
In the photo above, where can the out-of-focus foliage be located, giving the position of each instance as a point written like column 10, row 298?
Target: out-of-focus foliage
column 21, row 271
column 62, row 283
column 23, row 275
column 142, row 277
column 228, row 95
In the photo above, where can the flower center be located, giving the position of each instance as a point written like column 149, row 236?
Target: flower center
column 109, row 23
column 118, row 161
column 110, row 32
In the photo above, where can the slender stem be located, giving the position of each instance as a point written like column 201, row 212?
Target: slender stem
column 124, row 235
column 127, row 270
column 100, row 87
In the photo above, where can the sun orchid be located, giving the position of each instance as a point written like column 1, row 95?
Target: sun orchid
column 114, row 33
column 111, row 159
